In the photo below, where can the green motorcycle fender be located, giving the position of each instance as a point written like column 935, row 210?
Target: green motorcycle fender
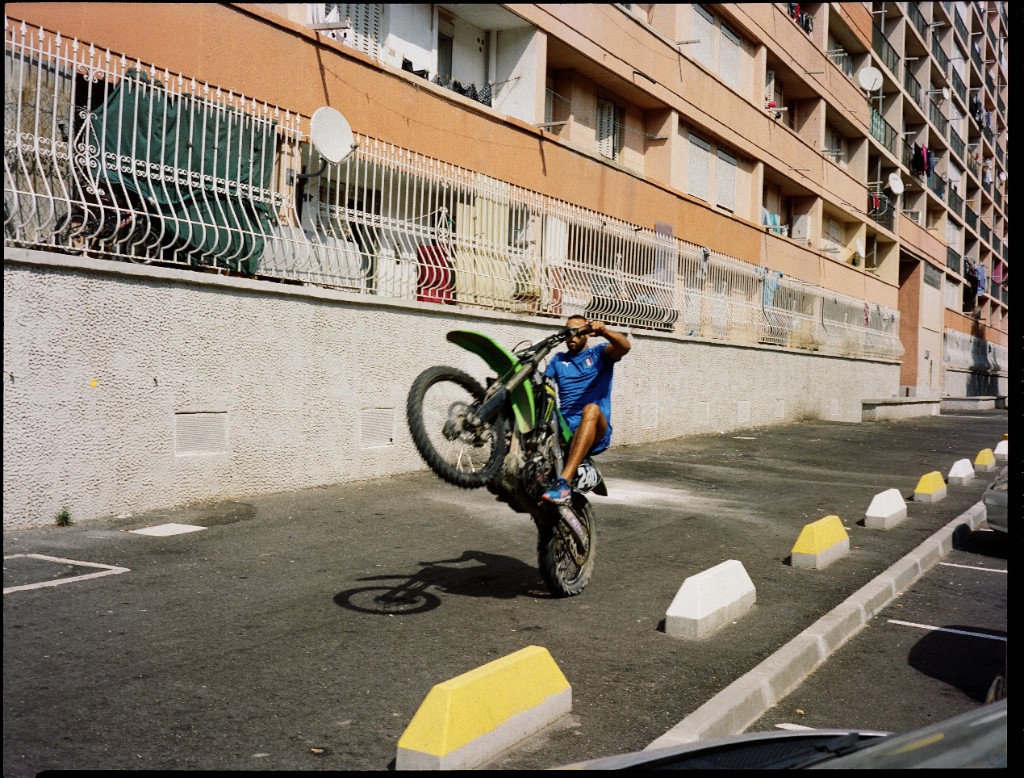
column 500, row 360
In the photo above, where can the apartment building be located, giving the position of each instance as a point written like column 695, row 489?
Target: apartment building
column 821, row 184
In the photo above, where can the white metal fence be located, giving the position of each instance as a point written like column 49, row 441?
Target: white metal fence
column 112, row 158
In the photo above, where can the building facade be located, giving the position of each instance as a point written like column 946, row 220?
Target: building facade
column 788, row 195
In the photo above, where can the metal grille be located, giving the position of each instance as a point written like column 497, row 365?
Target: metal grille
column 376, row 427
column 201, row 432
column 386, row 221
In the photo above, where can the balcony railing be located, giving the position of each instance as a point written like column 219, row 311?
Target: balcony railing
column 986, row 232
column 937, row 184
column 953, row 259
column 913, row 86
column 235, row 185
column 997, row 244
column 940, row 121
column 958, row 85
column 971, row 218
column 885, row 51
column 918, row 20
column 880, row 208
column 960, row 27
column 956, row 202
column 976, row 57
column 883, row 132
column 940, row 56
column 956, row 143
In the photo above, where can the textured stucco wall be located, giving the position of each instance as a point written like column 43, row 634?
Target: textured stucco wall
column 104, row 360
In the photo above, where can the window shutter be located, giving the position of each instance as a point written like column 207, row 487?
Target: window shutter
column 726, row 175
column 729, row 58
column 366, row 21
column 606, row 130
column 703, row 31
column 699, row 173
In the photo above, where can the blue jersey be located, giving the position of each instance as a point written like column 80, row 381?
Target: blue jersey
column 582, row 379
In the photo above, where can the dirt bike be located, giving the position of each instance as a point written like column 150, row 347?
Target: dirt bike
column 511, row 438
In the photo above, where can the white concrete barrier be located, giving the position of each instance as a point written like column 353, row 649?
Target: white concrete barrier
column 1002, row 450
column 960, row 473
column 887, row 509
column 708, row 600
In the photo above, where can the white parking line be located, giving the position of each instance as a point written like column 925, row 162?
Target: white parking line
column 947, row 629
column 106, row 570
column 973, row 567
column 793, row 727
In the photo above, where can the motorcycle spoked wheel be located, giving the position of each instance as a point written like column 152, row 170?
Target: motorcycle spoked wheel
column 436, row 409
column 564, row 566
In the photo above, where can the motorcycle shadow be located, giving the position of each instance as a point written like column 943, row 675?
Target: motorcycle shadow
column 473, row 574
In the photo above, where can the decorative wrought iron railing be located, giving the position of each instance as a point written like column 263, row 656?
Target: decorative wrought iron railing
column 119, row 160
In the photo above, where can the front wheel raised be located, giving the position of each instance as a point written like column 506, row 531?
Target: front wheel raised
column 459, row 449
column 566, row 558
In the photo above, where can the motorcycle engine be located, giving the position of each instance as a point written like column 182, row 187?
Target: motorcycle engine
column 535, row 475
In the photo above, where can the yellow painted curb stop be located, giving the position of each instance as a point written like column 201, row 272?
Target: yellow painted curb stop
column 467, row 720
column 931, row 487
column 820, row 543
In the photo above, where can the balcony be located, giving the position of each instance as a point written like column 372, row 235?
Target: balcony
column 937, row 184
column 956, row 202
column 956, row 144
column 883, row 132
column 940, row 56
column 953, row 259
column 885, row 51
column 971, row 218
column 842, row 60
column 986, row 232
column 918, row 20
column 940, row 121
column 913, row 87
column 880, row 208
column 960, row 27
column 958, row 85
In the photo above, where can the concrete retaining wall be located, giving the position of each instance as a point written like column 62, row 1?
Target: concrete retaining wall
column 130, row 388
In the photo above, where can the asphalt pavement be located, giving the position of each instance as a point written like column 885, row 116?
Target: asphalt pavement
column 255, row 642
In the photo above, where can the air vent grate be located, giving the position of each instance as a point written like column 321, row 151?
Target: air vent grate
column 377, row 427
column 201, row 432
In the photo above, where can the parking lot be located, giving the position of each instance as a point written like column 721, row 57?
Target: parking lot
column 245, row 644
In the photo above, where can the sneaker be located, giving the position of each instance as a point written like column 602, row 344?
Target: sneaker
column 559, row 492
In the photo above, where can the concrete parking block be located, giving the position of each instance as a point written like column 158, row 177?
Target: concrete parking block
column 960, row 473
column 820, row 544
column 470, row 719
column 887, row 509
column 931, row 487
column 985, row 462
column 1002, row 450
column 708, row 600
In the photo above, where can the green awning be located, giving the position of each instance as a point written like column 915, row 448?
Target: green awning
column 204, row 168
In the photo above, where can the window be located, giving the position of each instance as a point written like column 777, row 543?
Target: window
column 609, row 129
column 834, row 237
column 364, row 24
column 704, row 34
column 699, row 173
column 835, row 146
column 726, row 178
column 445, row 47
column 729, row 58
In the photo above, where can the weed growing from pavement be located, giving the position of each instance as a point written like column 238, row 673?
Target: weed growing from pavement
column 64, row 518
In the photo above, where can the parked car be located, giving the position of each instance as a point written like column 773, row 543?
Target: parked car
column 976, row 738
column 995, row 501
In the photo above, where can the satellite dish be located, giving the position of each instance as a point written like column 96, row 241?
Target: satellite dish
column 331, row 134
column 1002, row 175
column 859, row 245
column 896, row 184
column 945, row 93
column 870, row 79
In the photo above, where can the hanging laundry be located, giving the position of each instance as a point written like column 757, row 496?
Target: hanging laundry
column 982, row 281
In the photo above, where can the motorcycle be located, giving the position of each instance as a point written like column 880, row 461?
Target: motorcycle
column 510, row 437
